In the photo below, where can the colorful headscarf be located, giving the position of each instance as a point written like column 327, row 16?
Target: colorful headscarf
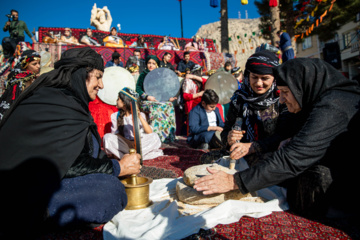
column 19, row 74
column 260, row 63
column 27, row 57
column 247, row 102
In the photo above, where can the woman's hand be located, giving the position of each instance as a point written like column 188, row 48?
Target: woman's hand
column 151, row 98
column 130, row 164
column 234, row 135
column 172, row 99
column 217, row 182
column 239, row 150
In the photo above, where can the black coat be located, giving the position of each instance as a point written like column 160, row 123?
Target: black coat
column 52, row 124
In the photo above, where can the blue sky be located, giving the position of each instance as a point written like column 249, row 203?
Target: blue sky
column 158, row 17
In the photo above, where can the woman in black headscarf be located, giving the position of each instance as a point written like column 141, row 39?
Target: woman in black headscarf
column 256, row 109
column 317, row 165
column 51, row 119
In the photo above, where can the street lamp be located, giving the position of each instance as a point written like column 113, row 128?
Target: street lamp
column 182, row 35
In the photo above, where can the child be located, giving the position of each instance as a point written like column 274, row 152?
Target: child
column 121, row 138
column 205, row 123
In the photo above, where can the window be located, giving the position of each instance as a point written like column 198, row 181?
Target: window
column 307, row 43
column 347, row 40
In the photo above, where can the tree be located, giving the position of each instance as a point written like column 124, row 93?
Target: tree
column 224, row 27
column 275, row 20
column 268, row 25
column 297, row 17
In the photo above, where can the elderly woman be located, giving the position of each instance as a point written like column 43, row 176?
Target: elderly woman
column 51, row 120
column 326, row 105
column 24, row 73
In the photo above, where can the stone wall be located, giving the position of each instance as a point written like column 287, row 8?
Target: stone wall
column 240, row 45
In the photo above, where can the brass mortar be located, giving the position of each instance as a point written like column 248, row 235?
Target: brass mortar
column 137, row 190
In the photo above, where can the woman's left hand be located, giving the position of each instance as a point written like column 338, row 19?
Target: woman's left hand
column 172, row 99
column 217, row 182
column 239, row 150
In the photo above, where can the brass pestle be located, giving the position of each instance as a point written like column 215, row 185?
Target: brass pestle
column 133, row 176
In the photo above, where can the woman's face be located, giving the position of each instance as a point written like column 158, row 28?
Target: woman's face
column 260, row 83
column 34, row 66
column 120, row 104
column 287, row 97
column 151, row 65
column 94, row 83
column 113, row 32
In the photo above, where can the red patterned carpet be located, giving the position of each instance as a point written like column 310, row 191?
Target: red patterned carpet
column 278, row 225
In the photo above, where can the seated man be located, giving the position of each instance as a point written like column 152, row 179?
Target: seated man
column 185, row 63
column 205, row 123
column 194, row 45
column 115, row 60
column 135, row 64
column 113, row 40
column 165, row 63
column 67, row 38
column 168, row 44
column 88, row 39
column 226, row 68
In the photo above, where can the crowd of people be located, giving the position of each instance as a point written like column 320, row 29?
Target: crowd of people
column 294, row 123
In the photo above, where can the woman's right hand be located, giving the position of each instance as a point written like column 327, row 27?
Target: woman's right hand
column 234, row 135
column 130, row 164
column 151, row 98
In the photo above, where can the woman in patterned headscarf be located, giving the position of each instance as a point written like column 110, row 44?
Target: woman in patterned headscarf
column 24, row 73
column 51, row 119
column 256, row 106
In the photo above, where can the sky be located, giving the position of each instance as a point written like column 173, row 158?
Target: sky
column 157, row 17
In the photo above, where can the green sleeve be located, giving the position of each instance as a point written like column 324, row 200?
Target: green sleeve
column 26, row 29
column 140, row 84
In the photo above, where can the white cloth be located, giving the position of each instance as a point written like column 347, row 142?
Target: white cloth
column 150, row 143
column 211, row 116
column 162, row 219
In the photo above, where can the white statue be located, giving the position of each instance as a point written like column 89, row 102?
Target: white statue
column 101, row 18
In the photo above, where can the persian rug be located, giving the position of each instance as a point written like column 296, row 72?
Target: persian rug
column 278, row 225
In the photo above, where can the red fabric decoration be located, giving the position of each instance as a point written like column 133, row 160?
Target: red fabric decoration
column 273, row 3
column 13, row 92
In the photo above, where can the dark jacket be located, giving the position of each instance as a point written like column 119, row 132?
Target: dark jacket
column 182, row 65
column 269, row 133
column 198, row 122
column 167, row 65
